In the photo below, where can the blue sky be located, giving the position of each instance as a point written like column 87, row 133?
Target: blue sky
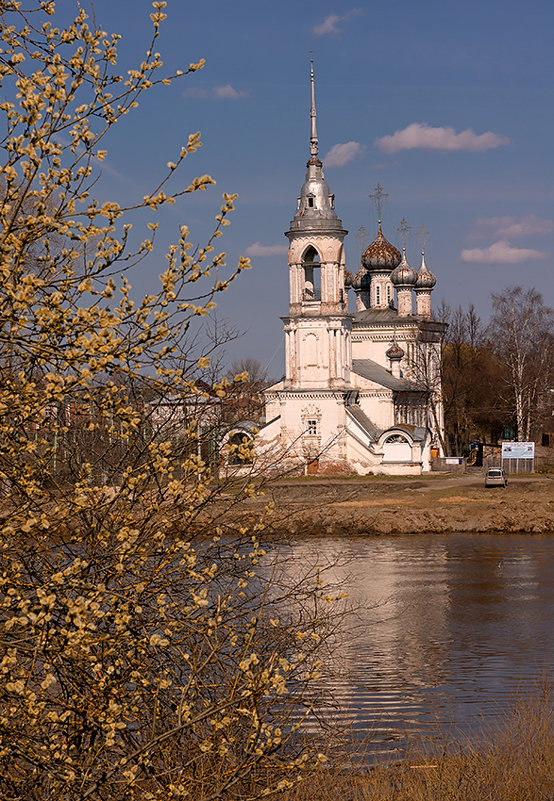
column 447, row 105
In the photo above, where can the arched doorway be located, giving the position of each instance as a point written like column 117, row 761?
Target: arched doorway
column 240, row 449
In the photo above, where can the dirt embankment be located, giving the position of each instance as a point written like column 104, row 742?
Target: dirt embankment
column 378, row 505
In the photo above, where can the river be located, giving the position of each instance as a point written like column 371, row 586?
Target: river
column 445, row 631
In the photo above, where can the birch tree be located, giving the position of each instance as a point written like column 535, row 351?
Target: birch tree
column 144, row 653
column 521, row 334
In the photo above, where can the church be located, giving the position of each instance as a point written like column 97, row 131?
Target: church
column 361, row 392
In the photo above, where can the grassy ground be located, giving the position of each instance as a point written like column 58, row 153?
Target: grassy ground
column 384, row 505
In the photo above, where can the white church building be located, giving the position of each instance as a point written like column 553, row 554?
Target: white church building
column 361, row 392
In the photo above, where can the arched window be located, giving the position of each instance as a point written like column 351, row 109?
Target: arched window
column 311, row 354
column 311, row 264
column 396, row 448
column 396, row 438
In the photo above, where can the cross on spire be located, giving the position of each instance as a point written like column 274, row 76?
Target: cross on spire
column 423, row 236
column 362, row 237
column 404, row 229
column 378, row 196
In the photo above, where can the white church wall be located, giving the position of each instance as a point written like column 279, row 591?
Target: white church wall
column 272, row 404
column 360, row 459
column 312, row 427
column 378, row 405
column 365, row 347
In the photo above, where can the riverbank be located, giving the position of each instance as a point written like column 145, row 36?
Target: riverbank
column 379, row 505
column 513, row 760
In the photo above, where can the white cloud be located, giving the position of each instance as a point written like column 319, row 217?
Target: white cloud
column 501, row 253
column 340, row 155
column 421, row 135
column 226, row 92
column 257, row 250
column 513, row 227
column 330, row 24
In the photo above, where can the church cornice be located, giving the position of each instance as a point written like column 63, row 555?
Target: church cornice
column 382, row 336
column 376, row 393
column 332, row 319
column 389, row 325
column 313, row 394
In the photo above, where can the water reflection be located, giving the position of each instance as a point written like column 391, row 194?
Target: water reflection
column 446, row 629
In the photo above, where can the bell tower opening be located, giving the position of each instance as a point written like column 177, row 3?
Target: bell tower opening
column 311, row 265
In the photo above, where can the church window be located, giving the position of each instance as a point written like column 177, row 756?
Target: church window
column 378, row 295
column 388, row 293
column 311, row 426
column 332, row 200
column 396, row 439
column 312, row 274
column 310, row 202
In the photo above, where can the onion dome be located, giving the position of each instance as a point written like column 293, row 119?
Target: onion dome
column 380, row 254
column 348, row 279
column 395, row 352
column 404, row 275
column 361, row 280
column 425, row 278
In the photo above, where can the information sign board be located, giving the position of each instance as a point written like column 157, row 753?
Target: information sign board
column 518, row 450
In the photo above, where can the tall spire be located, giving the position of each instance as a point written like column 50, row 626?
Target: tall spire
column 314, row 145
column 315, row 206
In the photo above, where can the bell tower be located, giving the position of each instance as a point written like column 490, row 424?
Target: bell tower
column 318, row 328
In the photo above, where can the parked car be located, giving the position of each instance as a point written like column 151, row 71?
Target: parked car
column 496, row 477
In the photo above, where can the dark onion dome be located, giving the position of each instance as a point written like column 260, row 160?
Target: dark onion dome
column 425, row 278
column 404, row 274
column 380, row 255
column 361, row 280
column 395, row 352
column 348, row 278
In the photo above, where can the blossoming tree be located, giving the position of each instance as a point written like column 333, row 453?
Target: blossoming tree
column 143, row 653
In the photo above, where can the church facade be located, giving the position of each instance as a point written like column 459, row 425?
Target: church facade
column 361, row 392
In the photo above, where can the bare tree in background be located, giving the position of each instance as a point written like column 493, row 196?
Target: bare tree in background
column 470, row 376
column 246, row 401
column 521, row 334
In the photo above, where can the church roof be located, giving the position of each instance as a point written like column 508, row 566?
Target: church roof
column 268, row 423
column 378, row 316
column 366, row 368
column 417, row 433
column 363, row 420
